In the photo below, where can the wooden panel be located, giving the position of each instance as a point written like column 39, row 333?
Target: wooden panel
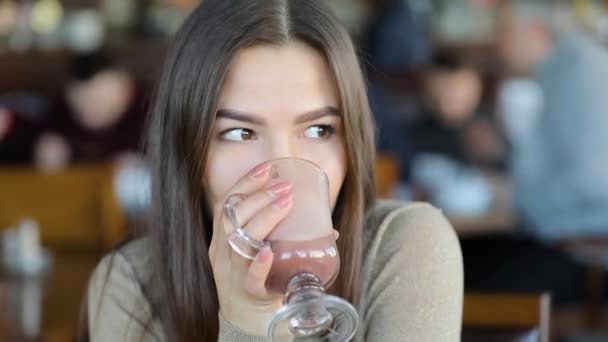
column 75, row 208
column 387, row 175
column 505, row 311
column 63, row 295
column 39, row 71
column 47, row 71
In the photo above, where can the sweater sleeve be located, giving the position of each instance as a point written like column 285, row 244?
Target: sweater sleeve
column 412, row 279
column 230, row 333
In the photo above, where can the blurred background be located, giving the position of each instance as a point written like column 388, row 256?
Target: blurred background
column 495, row 111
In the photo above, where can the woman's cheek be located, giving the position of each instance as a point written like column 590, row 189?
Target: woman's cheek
column 226, row 165
column 332, row 161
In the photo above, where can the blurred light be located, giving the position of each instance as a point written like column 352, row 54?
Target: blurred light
column 8, row 16
column 166, row 19
column 183, row 4
column 484, row 3
column 84, row 30
column 22, row 36
column 119, row 13
column 47, row 16
column 132, row 183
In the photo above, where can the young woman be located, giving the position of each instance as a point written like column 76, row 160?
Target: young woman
column 248, row 81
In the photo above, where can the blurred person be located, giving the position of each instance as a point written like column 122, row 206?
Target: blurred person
column 395, row 47
column 395, row 39
column 277, row 79
column 560, row 160
column 99, row 117
column 453, row 139
column 519, row 103
column 560, row 171
column 453, row 121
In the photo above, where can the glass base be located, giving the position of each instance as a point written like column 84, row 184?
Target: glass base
column 311, row 315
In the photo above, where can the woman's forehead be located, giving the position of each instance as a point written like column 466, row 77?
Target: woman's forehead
column 289, row 80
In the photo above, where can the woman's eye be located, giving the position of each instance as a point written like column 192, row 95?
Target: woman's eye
column 238, row 134
column 319, row 132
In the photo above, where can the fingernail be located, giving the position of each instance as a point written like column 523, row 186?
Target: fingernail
column 263, row 256
column 336, row 234
column 260, row 170
column 282, row 202
column 280, row 189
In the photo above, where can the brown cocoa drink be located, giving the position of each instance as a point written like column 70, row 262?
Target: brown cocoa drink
column 318, row 256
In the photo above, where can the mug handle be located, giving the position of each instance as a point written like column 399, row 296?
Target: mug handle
column 242, row 243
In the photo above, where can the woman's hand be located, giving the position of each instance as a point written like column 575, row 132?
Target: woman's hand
column 241, row 283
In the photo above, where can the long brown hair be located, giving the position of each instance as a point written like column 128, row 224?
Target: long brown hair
column 179, row 135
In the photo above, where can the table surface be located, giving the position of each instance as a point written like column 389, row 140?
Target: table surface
column 499, row 219
column 62, row 294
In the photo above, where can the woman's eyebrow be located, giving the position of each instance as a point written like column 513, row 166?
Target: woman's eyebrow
column 240, row 116
column 317, row 114
column 259, row 120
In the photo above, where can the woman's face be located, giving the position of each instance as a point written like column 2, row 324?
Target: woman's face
column 276, row 102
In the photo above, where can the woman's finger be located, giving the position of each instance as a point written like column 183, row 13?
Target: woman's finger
column 267, row 219
column 248, row 184
column 247, row 208
column 255, row 282
column 252, row 181
column 264, row 222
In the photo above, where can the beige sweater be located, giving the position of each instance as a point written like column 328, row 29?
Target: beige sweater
column 412, row 284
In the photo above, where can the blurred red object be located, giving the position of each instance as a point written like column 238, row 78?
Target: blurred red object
column 484, row 3
column 17, row 135
column 6, row 122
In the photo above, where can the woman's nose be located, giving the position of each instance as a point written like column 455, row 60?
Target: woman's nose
column 281, row 147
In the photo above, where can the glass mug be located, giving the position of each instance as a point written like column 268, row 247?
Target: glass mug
column 306, row 259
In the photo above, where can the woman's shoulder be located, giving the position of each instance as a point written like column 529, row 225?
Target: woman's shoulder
column 128, row 265
column 386, row 214
column 412, row 267
column 393, row 224
column 137, row 254
column 118, row 301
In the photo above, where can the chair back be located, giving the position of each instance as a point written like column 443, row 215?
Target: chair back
column 387, row 175
column 506, row 317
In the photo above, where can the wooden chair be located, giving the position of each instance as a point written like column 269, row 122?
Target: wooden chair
column 75, row 208
column 594, row 249
column 506, row 317
column 387, row 175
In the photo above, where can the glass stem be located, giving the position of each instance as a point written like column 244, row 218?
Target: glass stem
column 313, row 319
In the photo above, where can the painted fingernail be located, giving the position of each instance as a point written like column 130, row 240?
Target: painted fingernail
column 263, row 256
column 282, row 202
column 260, row 170
column 280, row 189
